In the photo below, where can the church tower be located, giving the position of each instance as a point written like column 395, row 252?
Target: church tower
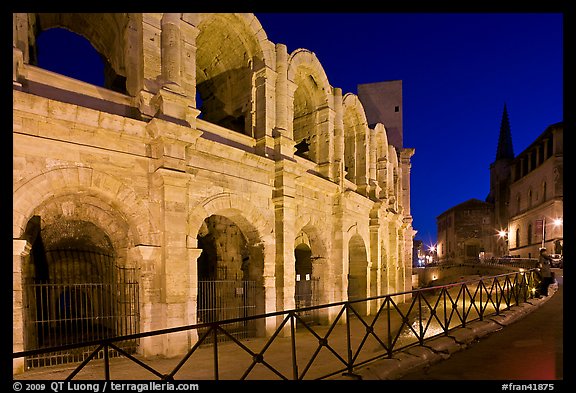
column 500, row 174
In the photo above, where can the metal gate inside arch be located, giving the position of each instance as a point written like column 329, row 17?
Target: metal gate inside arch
column 85, row 297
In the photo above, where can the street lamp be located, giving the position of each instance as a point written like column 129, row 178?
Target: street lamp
column 432, row 250
column 556, row 222
column 503, row 235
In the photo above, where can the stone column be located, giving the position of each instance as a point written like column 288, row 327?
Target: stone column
column 338, row 171
column 405, row 165
column 285, row 213
column 171, row 50
column 284, row 143
column 325, row 141
column 361, row 158
column 20, row 252
column 375, row 263
column 263, row 110
column 152, row 311
column 382, row 177
column 169, row 190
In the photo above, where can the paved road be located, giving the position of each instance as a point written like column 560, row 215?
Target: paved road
column 530, row 349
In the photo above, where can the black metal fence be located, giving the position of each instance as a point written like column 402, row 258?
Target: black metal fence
column 84, row 298
column 227, row 299
column 348, row 338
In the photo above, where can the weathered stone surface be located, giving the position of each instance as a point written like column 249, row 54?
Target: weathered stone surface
column 213, row 190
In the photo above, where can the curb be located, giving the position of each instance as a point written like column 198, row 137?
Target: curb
column 441, row 348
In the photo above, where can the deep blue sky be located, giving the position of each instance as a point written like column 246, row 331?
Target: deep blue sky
column 457, row 72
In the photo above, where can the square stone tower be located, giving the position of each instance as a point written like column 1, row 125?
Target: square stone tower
column 382, row 102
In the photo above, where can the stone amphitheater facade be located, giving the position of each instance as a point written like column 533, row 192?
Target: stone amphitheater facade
column 195, row 133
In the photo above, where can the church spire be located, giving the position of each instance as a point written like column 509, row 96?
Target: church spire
column 505, row 149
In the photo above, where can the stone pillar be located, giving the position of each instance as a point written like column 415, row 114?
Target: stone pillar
column 192, row 304
column 361, row 158
column 372, row 159
column 393, row 267
column 152, row 311
column 172, row 101
column 325, row 141
column 20, row 252
column 382, row 177
column 405, row 165
column 269, row 283
column 263, row 86
column 169, row 190
column 338, row 171
column 285, row 213
column 284, row 143
column 375, row 263
column 171, row 42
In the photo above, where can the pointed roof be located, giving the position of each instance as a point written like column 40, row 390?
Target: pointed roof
column 505, row 149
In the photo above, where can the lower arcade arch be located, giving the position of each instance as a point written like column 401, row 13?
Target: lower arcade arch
column 74, row 290
column 230, row 270
column 357, row 271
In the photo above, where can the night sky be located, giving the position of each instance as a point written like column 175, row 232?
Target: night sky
column 457, row 72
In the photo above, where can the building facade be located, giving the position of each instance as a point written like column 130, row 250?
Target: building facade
column 465, row 231
column 210, row 154
column 536, row 203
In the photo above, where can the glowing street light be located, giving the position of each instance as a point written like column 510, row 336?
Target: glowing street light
column 557, row 222
column 503, row 248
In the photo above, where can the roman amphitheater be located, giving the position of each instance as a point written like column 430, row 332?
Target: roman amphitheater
column 215, row 175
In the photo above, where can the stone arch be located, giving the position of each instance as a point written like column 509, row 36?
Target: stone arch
column 81, row 226
column 253, row 224
column 91, row 185
column 356, row 142
column 232, row 52
column 116, row 36
column 312, row 102
column 258, row 233
column 380, row 148
column 357, row 268
column 308, row 229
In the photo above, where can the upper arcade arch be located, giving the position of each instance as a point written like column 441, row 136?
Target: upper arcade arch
column 312, row 107
column 379, row 150
column 356, row 141
column 232, row 51
column 117, row 37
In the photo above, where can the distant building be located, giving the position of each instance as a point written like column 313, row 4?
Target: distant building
column 536, row 203
column 382, row 102
column 523, row 210
column 464, row 231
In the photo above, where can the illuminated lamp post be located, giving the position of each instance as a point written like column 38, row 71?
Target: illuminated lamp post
column 556, row 222
column 503, row 235
column 432, row 249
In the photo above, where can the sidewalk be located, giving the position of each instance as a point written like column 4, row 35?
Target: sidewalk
column 415, row 363
column 520, row 345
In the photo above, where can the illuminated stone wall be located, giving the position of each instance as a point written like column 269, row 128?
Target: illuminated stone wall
column 202, row 122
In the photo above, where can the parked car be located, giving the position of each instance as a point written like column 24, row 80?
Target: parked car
column 557, row 261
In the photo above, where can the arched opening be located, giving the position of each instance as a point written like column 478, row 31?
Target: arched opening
column 74, row 291
column 64, row 52
column 358, row 269
column 227, row 57
column 229, row 276
column 68, row 53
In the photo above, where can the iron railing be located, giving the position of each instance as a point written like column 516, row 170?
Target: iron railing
column 353, row 334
